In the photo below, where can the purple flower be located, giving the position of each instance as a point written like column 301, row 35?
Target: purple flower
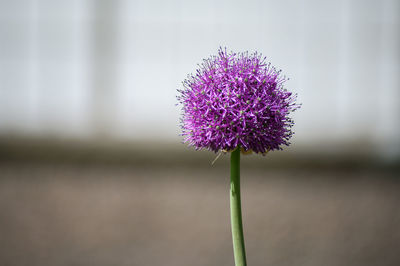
column 236, row 100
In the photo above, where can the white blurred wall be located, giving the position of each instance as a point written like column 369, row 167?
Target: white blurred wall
column 111, row 68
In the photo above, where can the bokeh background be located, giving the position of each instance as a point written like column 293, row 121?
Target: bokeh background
column 92, row 168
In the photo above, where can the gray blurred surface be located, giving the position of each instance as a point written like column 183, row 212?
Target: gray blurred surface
column 93, row 214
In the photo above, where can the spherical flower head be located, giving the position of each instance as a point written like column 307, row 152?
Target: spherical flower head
column 236, row 100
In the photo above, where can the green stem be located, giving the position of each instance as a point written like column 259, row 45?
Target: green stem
column 236, row 211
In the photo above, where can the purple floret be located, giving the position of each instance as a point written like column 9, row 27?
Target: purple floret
column 236, row 100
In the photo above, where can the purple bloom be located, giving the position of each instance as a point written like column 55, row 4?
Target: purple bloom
column 236, row 100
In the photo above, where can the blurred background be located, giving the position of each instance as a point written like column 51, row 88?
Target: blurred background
column 92, row 168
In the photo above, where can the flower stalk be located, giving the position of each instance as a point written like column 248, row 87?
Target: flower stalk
column 236, row 210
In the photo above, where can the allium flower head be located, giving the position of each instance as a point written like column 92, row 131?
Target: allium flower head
column 236, row 100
